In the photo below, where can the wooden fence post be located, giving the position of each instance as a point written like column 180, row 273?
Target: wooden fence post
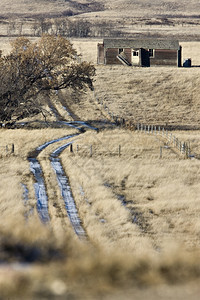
column 119, row 150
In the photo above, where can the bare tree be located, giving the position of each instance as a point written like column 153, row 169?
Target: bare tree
column 33, row 68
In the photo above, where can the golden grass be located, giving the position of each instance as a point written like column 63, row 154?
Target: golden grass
column 119, row 254
column 153, row 241
column 162, row 193
column 155, row 95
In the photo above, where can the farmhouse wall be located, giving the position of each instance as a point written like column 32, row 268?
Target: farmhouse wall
column 112, row 53
column 164, row 57
column 111, row 56
column 165, row 52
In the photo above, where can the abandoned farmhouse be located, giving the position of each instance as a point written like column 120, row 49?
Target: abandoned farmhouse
column 138, row 52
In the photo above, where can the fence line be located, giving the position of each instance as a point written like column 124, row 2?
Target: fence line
column 91, row 150
column 182, row 147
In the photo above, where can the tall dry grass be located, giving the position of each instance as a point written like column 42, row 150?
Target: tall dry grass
column 156, row 95
column 161, row 194
column 121, row 252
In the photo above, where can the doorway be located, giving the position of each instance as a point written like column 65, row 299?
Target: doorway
column 135, row 57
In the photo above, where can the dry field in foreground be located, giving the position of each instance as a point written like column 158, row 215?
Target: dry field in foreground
column 145, row 202
column 140, row 214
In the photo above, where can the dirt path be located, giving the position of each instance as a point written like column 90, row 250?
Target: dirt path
column 66, row 192
column 39, row 185
column 40, row 191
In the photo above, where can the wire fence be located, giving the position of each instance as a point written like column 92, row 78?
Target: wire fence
column 182, row 147
column 91, row 150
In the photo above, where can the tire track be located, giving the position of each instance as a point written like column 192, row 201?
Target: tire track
column 39, row 185
column 66, row 192
column 40, row 191
column 63, row 182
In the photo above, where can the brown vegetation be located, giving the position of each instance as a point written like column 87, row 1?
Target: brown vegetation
column 140, row 212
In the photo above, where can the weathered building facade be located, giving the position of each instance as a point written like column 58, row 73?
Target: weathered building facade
column 139, row 52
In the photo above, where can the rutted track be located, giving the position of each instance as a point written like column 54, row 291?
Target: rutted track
column 39, row 185
column 63, row 182
column 40, row 191
column 66, row 191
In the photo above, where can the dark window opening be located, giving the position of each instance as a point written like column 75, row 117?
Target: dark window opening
column 135, row 53
column 121, row 50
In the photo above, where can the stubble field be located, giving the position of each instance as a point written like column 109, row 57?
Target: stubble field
column 140, row 212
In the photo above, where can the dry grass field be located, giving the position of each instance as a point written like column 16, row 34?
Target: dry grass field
column 135, row 204
column 140, row 212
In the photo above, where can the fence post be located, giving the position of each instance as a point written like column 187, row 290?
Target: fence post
column 119, row 150
column 71, row 148
column 148, row 128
